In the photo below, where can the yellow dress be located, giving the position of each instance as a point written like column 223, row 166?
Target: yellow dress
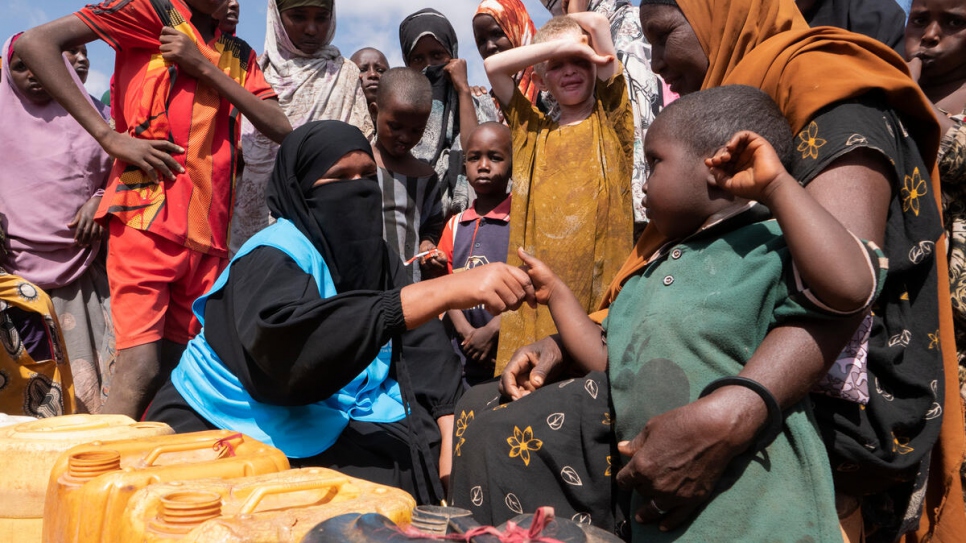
column 571, row 202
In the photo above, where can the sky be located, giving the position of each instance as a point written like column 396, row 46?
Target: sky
column 360, row 23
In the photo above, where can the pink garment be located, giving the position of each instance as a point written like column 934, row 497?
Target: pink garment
column 669, row 95
column 49, row 167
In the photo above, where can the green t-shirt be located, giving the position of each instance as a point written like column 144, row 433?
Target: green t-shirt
column 695, row 314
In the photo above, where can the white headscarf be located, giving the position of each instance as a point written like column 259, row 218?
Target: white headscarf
column 320, row 86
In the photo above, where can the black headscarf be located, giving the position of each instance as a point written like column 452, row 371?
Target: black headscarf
column 882, row 20
column 340, row 218
column 427, row 22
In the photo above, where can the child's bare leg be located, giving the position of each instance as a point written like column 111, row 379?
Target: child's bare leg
column 139, row 373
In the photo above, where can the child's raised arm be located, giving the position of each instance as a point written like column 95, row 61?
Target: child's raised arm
column 40, row 48
column 598, row 27
column 582, row 338
column 832, row 262
column 501, row 67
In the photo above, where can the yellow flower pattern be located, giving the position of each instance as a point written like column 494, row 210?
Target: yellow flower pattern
column 810, row 143
column 901, row 445
column 933, row 340
column 913, row 188
column 461, row 425
column 521, row 443
column 607, row 471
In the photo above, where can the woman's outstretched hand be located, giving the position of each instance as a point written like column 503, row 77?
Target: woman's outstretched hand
column 747, row 167
column 497, row 287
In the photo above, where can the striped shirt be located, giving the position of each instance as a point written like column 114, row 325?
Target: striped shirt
column 411, row 213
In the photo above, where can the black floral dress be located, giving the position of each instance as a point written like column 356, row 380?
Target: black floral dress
column 881, row 450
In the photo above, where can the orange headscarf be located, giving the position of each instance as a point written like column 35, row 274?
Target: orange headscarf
column 767, row 44
column 513, row 18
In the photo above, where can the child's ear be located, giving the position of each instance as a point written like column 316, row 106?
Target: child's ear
column 373, row 109
column 538, row 81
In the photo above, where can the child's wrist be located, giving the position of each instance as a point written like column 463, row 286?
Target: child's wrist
column 777, row 189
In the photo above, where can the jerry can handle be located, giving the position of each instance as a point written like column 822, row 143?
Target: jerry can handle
column 213, row 443
column 283, row 488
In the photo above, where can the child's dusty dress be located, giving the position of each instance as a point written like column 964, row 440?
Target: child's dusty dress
column 571, row 201
column 411, row 213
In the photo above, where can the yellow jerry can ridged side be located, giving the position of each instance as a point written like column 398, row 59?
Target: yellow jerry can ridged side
column 29, row 450
column 90, row 485
column 279, row 507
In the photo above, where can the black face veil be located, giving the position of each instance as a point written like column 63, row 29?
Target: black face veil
column 340, row 218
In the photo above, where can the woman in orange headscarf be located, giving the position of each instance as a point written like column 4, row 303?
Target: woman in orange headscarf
column 867, row 143
column 500, row 25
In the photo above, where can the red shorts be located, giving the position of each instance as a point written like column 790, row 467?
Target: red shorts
column 153, row 283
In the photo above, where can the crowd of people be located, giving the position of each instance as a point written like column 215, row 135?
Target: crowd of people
column 729, row 233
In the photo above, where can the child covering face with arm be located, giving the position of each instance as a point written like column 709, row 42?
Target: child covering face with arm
column 597, row 47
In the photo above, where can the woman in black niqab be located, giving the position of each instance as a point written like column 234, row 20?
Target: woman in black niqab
column 341, row 218
column 273, row 338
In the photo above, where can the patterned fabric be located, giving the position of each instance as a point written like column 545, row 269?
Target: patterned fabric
column 571, row 202
column 310, row 88
column 516, row 23
column 153, row 101
column 84, row 311
column 644, row 87
column 553, row 447
column 35, row 378
column 952, row 175
column 411, row 213
column 885, row 444
column 848, row 378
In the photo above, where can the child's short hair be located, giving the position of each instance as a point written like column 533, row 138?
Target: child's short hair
column 706, row 120
column 556, row 27
column 407, row 86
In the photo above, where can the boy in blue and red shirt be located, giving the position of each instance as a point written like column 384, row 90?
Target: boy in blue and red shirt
column 181, row 86
column 478, row 236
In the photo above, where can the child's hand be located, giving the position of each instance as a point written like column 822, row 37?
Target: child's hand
column 915, row 68
column 433, row 264
column 480, row 343
column 86, row 230
column 581, row 48
column 178, row 48
column 151, row 156
column 456, row 70
column 747, row 167
column 543, row 278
